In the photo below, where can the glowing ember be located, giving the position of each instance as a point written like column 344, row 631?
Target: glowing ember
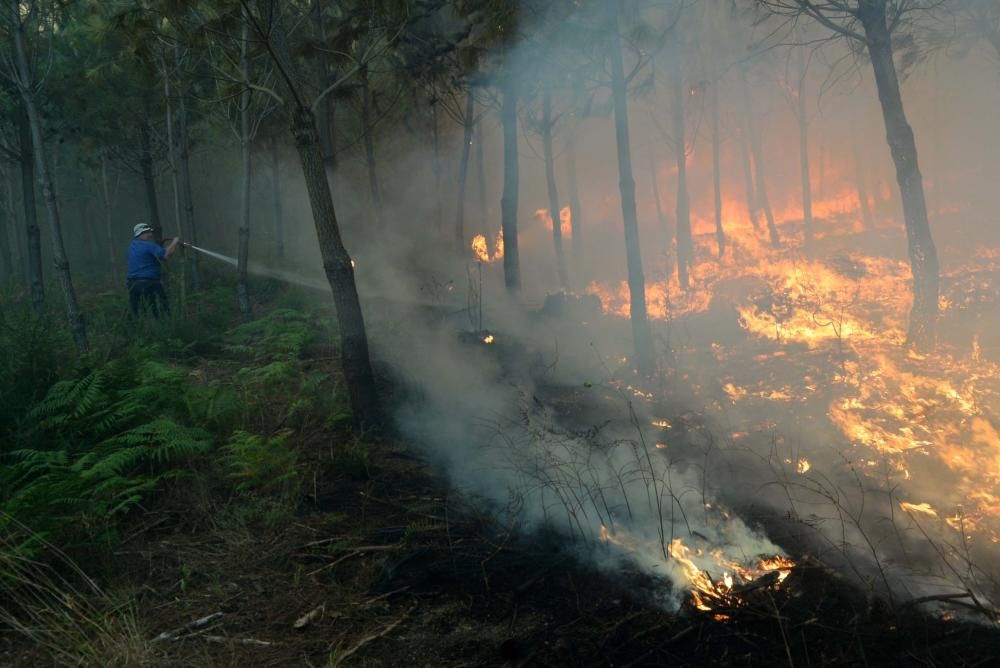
column 488, row 338
column 706, row 593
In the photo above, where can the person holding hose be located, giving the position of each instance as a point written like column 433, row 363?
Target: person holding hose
column 143, row 278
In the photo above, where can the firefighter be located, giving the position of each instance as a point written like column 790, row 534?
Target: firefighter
column 143, row 278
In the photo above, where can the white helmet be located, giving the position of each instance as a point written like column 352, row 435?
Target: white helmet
column 141, row 228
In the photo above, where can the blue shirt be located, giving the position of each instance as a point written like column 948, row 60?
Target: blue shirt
column 144, row 260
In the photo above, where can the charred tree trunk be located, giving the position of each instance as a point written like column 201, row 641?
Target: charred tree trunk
column 645, row 360
column 720, row 234
column 25, row 85
column 337, row 263
column 899, row 134
column 683, row 211
column 758, row 163
column 279, row 216
column 366, row 126
column 807, row 215
column 189, row 229
column 468, row 125
column 32, row 232
column 243, row 251
column 7, row 223
column 109, row 230
column 550, row 180
column 575, row 209
column 508, row 201
column 148, row 180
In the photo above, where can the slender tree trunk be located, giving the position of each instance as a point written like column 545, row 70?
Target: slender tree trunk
column 550, row 180
column 575, row 209
column 861, row 184
column 367, row 128
column 355, row 360
column 243, row 251
column 748, row 183
column 109, row 230
column 16, row 229
column 661, row 217
column 508, row 201
column 481, row 179
column 683, row 211
column 26, row 87
column 468, row 124
column 32, row 232
column 807, row 214
column 720, row 234
column 758, row 163
column 436, row 169
column 645, row 360
column 324, row 113
column 6, row 226
column 174, row 174
column 279, row 216
column 899, row 134
column 148, row 180
column 184, row 142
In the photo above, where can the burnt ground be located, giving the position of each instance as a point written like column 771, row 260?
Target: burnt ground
column 383, row 568
column 380, row 564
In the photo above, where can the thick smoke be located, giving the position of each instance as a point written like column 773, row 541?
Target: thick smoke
column 549, row 421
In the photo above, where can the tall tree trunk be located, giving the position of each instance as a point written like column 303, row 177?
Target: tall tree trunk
column 481, row 179
column 25, row 85
column 366, row 126
column 324, row 113
column 683, row 211
column 355, row 360
column 645, row 360
column 19, row 265
column 7, row 224
column 661, row 217
column 508, row 201
column 899, row 134
column 436, row 169
column 279, row 216
column 575, row 209
column 243, row 251
column 860, row 181
column 108, row 195
column 148, row 180
column 550, row 180
column 32, row 232
column 174, row 173
column 190, row 229
column 720, row 234
column 748, row 184
column 468, row 124
column 758, row 162
column 807, row 214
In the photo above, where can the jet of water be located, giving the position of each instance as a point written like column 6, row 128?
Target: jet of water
column 258, row 270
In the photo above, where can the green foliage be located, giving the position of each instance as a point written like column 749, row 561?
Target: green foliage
column 281, row 333
column 353, row 459
column 95, row 446
column 262, row 465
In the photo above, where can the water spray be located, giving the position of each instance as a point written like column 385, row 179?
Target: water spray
column 277, row 274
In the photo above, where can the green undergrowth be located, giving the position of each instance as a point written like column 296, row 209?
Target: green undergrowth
column 195, row 400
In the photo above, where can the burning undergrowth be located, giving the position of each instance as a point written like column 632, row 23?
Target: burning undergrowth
column 792, row 417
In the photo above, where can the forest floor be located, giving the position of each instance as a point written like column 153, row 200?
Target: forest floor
column 376, row 562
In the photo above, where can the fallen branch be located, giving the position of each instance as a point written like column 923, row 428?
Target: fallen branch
column 375, row 636
column 236, row 641
column 188, row 628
